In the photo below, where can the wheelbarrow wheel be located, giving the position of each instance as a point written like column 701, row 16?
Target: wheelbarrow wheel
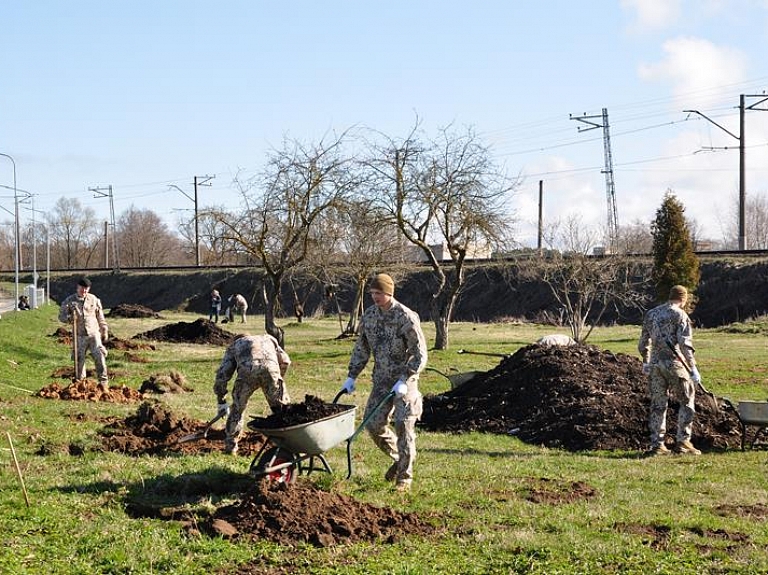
column 273, row 458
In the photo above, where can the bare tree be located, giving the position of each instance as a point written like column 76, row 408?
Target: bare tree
column 585, row 285
column 75, row 234
column 449, row 192
column 280, row 208
column 635, row 238
column 145, row 240
column 756, row 222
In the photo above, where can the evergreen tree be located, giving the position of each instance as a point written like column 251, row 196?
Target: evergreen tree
column 674, row 262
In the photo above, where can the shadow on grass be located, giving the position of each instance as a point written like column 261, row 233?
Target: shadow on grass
column 172, row 496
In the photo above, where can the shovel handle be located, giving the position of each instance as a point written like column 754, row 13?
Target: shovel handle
column 504, row 355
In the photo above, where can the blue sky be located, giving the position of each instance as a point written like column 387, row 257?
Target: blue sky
column 141, row 95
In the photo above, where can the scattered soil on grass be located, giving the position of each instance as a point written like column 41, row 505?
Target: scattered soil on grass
column 757, row 511
column 575, row 398
column 200, row 331
column 89, row 390
column 555, row 491
column 171, row 382
column 127, row 344
column 658, row 537
column 155, row 430
column 302, row 513
column 311, row 409
column 133, row 311
column 63, row 335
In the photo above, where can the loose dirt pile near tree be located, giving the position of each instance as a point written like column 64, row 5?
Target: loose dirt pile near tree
column 311, row 409
column 155, row 430
column 89, row 390
column 200, row 331
column 302, row 513
column 132, row 311
column 575, row 398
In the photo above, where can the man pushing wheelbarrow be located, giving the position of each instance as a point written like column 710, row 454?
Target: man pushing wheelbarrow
column 392, row 333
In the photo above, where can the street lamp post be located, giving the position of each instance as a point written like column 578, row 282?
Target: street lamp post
column 16, row 257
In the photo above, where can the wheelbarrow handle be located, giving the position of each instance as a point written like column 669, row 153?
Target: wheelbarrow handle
column 504, row 355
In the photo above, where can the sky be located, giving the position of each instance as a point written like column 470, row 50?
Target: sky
column 145, row 95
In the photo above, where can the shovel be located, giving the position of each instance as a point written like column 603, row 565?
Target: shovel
column 713, row 399
column 201, row 434
column 457, row 379
column 504, row 355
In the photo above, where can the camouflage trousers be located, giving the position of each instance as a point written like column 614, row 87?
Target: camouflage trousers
column 93, row 345
column 664, row 381
column 403, row 412
column 268, row 378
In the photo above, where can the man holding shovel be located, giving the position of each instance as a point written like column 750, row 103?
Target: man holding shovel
column 392, row 334
column 89, row 330
column 260, row 362
column 666, row 347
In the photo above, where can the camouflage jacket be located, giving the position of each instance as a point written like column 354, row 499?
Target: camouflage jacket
column 395, row 339
column 249, row 351
column 667, row 322
column 89, row 314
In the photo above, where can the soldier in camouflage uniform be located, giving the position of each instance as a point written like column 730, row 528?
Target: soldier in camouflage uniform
column 237, row 303
column 84, row 309
column 392, row 333
column 666, row 347
column 260, row 362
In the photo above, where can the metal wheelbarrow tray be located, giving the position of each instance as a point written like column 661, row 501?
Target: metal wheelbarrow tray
column 753, row 413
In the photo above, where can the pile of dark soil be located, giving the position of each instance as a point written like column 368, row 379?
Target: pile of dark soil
column 576, row 398
column 89, row 390
column 132, row 310
column 311, row 409
column 155, row 430
column 292, row 514
column 199, row 331
column 171, row 382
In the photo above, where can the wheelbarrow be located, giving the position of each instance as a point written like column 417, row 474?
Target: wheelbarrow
column 751, row 413
column 290, row 451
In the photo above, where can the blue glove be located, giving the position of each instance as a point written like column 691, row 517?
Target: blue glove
column 400, row 388
column 222, row 409
column 695, row 375
column 349, row 385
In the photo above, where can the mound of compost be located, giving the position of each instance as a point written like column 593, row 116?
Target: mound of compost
column 199, row 331
column 302, row 513
column 133, row 311
column 126, row 344
column 171, row 382
column 311, row 409
column 575, row 398
column 89, row 390
column 155, row 430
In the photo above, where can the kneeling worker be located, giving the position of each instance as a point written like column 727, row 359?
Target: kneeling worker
column 260, row 362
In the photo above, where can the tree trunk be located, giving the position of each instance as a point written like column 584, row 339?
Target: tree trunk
column 357, row 308
column 269, row 295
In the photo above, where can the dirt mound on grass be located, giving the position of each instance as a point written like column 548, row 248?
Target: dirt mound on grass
column 132, row 311
column 89, row 390
column 576, row 398
column 171, row 382
column 292, row 514
column 155, row 430
column 200, row 331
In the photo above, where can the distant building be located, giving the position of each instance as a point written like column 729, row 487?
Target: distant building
column 474, row 252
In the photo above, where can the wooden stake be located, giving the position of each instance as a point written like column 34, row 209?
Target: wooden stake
column 18, row 469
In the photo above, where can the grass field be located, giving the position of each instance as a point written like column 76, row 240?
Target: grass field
column 678, row 515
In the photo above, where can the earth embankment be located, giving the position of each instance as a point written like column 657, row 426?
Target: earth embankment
column 729, row 291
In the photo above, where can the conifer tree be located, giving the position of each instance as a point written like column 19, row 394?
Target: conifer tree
column 674, row 261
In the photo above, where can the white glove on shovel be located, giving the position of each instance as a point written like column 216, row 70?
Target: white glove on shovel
column 222, row 409
column 400, row 388
column 349, row 385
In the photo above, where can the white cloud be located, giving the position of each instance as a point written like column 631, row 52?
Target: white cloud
column 695, row 65
column 653, row 14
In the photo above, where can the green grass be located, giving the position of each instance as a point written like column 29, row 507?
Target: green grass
column 647, row 515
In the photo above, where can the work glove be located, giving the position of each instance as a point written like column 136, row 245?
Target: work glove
column 400, row 388
column 104, row 337
column 695, row 376
column 647, row 368
column 222, row 409
column 349, row 385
